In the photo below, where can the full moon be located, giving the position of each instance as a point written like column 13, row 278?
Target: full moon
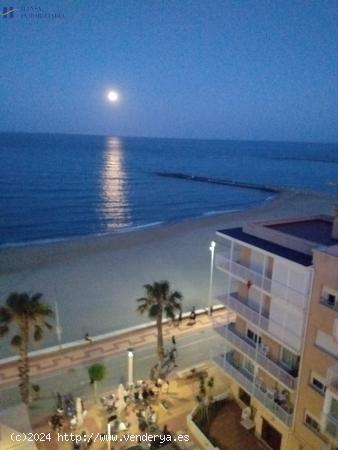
column 113, row 96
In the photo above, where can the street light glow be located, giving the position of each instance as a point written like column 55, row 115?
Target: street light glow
column 212, row 245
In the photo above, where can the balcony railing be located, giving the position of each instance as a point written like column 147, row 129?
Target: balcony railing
column 270, row 286
column 250, row 349
column 247, row 381
column 284, row 334
column 232, row 302
column 230, row 334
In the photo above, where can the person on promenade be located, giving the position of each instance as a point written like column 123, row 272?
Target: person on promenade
column 192, row 317
column 88, row 338
column 173, row 340
column 171, row 358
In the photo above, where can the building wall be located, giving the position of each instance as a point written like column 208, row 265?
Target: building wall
column 259, row 412
column 314, row 359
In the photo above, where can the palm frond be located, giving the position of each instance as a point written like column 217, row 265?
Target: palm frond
column 169, row 311
column 154, row 310
column 48, row 325
column 142, row 308
column 35, row 298
column 38, row 333
column 6, row 315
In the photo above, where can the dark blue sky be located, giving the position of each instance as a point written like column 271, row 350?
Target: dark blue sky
column 185, row 68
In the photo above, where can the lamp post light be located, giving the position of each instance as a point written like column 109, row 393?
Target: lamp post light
column 58, row 328
column 130, row 367
column 212, row 251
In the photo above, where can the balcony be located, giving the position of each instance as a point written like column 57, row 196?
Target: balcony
column 237, row 340
column 261, row 393
column 267, row 284
column 244, row 309
column 249, row 348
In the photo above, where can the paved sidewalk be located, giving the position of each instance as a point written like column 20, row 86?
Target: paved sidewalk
column 91, row 351
column 180, row 397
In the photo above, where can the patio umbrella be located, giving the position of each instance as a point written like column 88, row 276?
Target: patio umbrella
column 79, row 411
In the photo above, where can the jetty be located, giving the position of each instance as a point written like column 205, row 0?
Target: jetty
column 223, row 181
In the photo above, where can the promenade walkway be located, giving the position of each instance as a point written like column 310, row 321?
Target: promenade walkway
column 85, row 352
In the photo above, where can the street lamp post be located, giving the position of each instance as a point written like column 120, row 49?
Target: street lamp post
column 212, row 251
column 130, row 367
column 58, row 328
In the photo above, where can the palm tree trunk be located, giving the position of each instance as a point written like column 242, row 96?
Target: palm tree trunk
column 23, row 363
column 95, row 391
column 160, row 346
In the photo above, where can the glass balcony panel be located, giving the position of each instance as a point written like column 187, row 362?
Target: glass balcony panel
column 246, row 380
column 249, row 348
column 273, row 287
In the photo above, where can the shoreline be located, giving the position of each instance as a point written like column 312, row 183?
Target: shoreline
column 275, row 194
column 136, row 228
column 96, row 280
column 31, row 249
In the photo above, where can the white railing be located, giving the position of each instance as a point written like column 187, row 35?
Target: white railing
column 270, row 286
column 284, row 334
column 250, row 350
column 272, row 406
column 237, row 340
column 240, row 307
column 275, row 369
column 244, row 380
column 248, row 384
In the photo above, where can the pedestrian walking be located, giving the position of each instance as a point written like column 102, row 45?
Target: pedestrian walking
column 192, row 317
column 88, row 338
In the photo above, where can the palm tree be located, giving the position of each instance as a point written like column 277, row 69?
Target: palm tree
column 204, row 398
column 97, row 372
column 160, row 300
column 29, row 314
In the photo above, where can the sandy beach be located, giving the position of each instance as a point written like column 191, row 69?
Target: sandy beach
column 95, row 280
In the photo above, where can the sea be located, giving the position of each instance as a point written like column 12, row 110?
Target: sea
column 59, row 186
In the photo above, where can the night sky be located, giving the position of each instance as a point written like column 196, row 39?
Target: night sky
column 184, row 68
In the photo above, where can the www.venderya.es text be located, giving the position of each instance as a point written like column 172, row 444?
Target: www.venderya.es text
column 146, row 437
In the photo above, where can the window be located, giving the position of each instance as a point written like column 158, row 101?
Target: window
column 244, row 396
column 312, row 423
column 327, row 343
column 334, row 408
column 317, row 383
column 249, row 366
column 329, row 298
column 253, row 336
column 289, row 359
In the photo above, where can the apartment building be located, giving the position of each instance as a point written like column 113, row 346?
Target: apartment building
column 280, row 280
column 316, row 421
